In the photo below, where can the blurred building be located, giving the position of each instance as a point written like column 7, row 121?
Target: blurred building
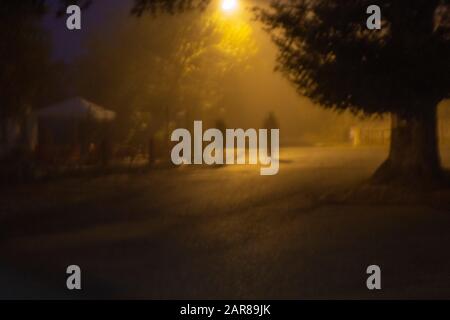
column 378, row 131
column 72, row 131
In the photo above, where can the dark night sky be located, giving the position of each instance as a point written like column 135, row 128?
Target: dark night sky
column 67, row 44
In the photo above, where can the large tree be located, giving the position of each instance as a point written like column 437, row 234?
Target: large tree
column 28, row 76
column 327, row 51
column 23, row 54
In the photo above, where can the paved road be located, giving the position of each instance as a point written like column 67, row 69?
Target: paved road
column 225, row 233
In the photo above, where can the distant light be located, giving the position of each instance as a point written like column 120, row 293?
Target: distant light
column 229, row 6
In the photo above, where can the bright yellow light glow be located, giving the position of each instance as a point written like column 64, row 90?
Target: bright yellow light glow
column 229, row 6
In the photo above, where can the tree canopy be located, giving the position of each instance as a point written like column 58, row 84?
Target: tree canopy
column 175, row 74
column 326, row 50
column 27, row 69
column 331, row 57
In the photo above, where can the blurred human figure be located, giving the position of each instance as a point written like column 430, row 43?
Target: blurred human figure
column 270, row 122
column 355, row 136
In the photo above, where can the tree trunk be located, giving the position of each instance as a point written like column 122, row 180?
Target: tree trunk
column 414, row 156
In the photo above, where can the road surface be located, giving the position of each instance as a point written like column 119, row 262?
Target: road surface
column 224, row 233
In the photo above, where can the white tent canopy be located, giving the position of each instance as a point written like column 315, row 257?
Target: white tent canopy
column 76, row 108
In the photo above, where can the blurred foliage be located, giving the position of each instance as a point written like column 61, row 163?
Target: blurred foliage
column 163, row 72
column 28, row 77
column 170, row 6
column 326, row 51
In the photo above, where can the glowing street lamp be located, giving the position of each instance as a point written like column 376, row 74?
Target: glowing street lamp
column 229, row 6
